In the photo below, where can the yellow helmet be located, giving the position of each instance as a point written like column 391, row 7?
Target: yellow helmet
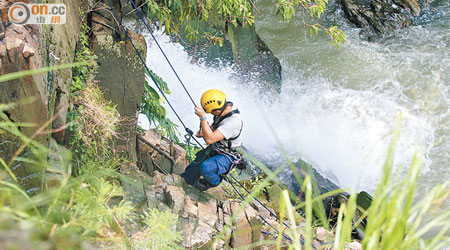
column 212, row 99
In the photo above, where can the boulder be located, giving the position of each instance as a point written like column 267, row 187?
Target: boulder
column 251, row 58
column 158, row 153
column 175, row 198
column 380, row 16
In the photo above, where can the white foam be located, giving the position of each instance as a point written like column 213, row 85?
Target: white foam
column 343, row 132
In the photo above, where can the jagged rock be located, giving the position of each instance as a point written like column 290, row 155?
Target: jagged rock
column 205, row 230
column 242, row 234
column 29, row 47
column 190, row 208
column 255, row 61
column 28, row 51
column 218, row 244
column 4, row 7
column 261, row 210
column 158, row 179
column 175, row 198
column 16, row 91
column 188, row 227
column 150, row 159
column 381, row 16
column 207, row 213
column 169, row 180
column 254, row 221
column 252, row 59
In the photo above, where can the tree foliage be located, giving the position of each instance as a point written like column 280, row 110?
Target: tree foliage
column 184, row 15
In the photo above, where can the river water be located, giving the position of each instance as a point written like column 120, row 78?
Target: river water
column 338, row 108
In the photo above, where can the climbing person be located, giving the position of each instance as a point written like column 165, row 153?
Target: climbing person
column 223, row 138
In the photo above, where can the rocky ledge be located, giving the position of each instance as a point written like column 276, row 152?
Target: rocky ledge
column 215, row 219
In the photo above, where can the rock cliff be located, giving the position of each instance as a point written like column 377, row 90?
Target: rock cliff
column 38, row 97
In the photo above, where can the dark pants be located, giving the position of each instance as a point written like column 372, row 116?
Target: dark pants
column 208, row 164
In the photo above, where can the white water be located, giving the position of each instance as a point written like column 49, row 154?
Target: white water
column 337, row 108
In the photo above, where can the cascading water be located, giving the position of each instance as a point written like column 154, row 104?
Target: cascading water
column 338, row 108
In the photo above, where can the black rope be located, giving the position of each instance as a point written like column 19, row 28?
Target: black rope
column 162, row 51
column 151, row 76
column 270, row 211
column 189, row 131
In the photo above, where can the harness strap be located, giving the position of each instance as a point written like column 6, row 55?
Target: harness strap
column 229, row 141
column 218, row 120
column 234, row 157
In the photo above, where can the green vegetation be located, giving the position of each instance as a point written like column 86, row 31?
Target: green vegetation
column 156, row 113
column 189, row 16
column 394, row 220
column 86, row 206
column 82, row 202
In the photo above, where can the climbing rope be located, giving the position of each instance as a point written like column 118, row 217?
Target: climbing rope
column 151, row 76
column 270, row 211
column 162, row 51
column 189, row 131
column 262, row 218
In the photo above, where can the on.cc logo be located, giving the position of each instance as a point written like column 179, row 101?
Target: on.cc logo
column 19, row 13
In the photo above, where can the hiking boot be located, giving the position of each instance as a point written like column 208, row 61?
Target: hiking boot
column 202, row 185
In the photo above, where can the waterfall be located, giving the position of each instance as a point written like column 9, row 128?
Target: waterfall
column 338, row 108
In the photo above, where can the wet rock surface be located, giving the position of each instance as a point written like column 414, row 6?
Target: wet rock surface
column 381, row 16
column 252, row 60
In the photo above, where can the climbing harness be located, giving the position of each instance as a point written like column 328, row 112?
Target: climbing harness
column 232, row 154
column 218, row 119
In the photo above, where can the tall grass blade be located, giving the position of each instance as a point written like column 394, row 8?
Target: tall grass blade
column 338, row 233
column 8, row 170
column 21, row 74
column 308, row 212
column 293, row 226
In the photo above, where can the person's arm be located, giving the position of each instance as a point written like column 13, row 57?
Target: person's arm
column 209, row 136
column 199, row 133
